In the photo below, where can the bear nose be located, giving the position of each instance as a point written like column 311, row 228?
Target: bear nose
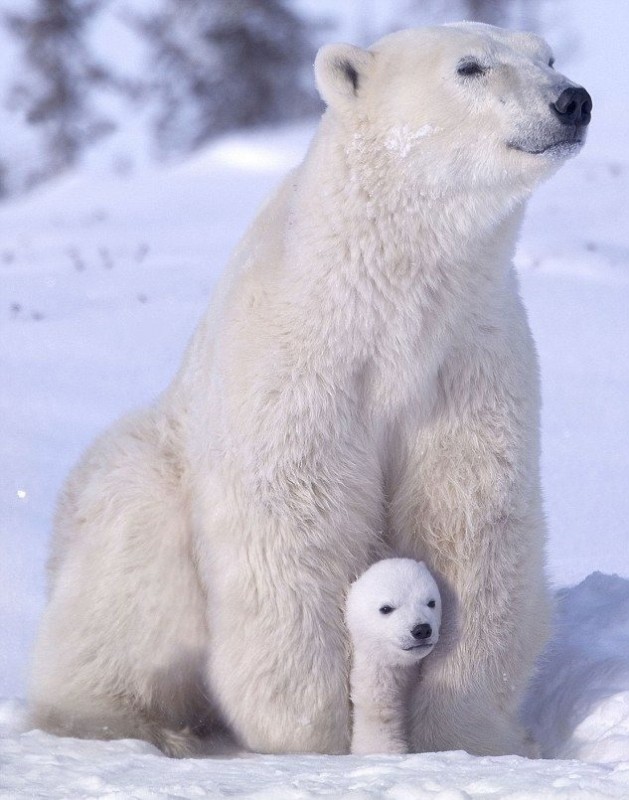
column 573, row 106
column 422, row 631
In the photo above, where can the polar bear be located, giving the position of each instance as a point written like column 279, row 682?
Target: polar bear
column 393, row 614
column 364, row 383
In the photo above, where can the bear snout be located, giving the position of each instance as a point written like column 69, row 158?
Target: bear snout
column 421, row 631
column 573, row 106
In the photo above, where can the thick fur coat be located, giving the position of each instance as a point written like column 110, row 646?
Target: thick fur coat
column 364, row 383
column 393, row 615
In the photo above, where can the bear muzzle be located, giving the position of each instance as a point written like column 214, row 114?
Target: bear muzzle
column 573, row 107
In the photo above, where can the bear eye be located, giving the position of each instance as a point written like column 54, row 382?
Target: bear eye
column 431, row 604
column 470, row 68
column 386, row 609
column 551, row 63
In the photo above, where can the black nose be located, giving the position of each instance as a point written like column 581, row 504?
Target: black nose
column 573, row 106
column 422, row 631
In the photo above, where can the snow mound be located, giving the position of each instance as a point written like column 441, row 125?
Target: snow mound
column 578, row 705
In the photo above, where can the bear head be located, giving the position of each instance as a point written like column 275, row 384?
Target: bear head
column 393, row 611
column 460, row 107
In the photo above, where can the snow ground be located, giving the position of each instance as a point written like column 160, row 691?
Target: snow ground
column 102, row 280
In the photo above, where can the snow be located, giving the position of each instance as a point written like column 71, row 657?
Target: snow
column 401, row 138
column 62, row 768
column 102, row 279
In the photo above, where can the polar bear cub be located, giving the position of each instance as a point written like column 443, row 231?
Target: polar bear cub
column 393, row 614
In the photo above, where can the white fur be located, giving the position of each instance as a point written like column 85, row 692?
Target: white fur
column 364, row 383
column 384, row 608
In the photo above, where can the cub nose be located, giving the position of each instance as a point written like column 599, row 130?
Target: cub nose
column 573, row 106
column 422, row 631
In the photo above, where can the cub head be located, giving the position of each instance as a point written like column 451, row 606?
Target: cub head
column 458, row 105
column 393, row 611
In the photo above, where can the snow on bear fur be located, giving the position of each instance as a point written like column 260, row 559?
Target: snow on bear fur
column 393, row 614
column 364, row 383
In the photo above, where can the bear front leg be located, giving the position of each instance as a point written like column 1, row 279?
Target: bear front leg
column 379, row 693
column 468, row 503
column 277, row 561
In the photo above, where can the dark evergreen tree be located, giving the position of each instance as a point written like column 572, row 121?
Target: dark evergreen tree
column 502, row 12
column 487, row 11
column 55, row 90
column 224, row 64
column 506, row 13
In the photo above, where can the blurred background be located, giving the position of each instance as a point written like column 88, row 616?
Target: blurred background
column 157, row 79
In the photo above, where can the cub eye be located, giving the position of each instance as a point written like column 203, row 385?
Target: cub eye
column 386, row 609
column 551, row 63
column 470, row 68
column 431, row 604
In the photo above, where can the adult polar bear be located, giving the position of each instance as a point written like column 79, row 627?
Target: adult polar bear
column 364, row 383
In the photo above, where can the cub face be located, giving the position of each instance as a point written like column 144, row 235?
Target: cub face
column 393, row 611
column 462, row 106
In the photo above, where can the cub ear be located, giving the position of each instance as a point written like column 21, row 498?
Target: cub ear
column 340, row 70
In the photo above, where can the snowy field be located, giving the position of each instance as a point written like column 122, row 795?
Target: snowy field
column 102, row 279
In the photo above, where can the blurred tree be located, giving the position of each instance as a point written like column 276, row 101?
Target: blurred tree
column 54, row 92
column 488, row 11
column 506, row 13
column 224, row 64
column 520, row 13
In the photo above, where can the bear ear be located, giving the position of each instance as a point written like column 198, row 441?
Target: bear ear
column 340, row 70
